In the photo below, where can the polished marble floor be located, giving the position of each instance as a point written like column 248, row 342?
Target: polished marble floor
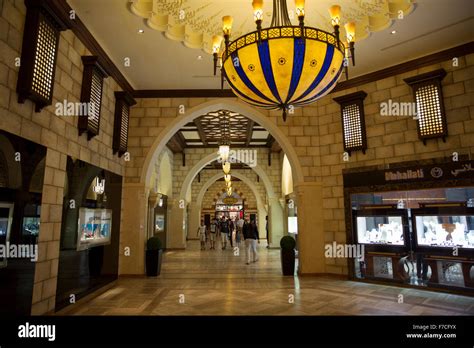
column 218, row 282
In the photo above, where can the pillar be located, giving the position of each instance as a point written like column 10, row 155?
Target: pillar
column 310, row 228
column 194, row 215
column 176, row 237
column 133, row 229
column 276, row 221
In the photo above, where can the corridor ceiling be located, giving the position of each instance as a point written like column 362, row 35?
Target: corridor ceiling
column 206, row 131
column 160, row 63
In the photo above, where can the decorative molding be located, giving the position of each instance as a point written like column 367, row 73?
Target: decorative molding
column 184, row 93
column 411, row 65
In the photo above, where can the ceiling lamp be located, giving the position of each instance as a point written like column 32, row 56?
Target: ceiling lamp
column 226, row 167
column 224, row 150
column 229, row 191
column 228, row 184
column 224, row 145
column 227, row 178
column 284, row 66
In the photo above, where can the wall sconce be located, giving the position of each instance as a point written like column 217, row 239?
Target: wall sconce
column 39, row 53
column 99, row 186
column 353, row 121
column 428, row 95
column 91, row 96
column 123, row 102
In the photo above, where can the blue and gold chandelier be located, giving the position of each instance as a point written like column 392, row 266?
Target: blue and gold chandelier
column 284, row 66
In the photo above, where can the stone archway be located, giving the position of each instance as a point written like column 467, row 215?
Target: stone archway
column 212, row 157
column 228, row 104
column 135, row 193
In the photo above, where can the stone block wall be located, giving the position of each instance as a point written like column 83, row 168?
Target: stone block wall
column 59, row 134
column 315, row 134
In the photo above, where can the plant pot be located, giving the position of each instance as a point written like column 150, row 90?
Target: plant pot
column 153, row 262
column 288, row 262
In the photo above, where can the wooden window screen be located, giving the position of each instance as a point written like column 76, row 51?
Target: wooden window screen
column 428, row 95
column 123, row 101
column 91, row 96
column 353, row 121
column 39, row 54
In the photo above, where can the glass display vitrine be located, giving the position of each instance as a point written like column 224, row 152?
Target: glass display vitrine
column 95, row 227
column 6, row 218
column 446, row 229
column 381, row 229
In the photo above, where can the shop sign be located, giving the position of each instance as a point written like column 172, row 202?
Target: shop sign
column 230, row 200
column 400, row 174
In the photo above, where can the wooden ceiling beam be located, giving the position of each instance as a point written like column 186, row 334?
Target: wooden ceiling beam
column 200, row 130
column 250, row 125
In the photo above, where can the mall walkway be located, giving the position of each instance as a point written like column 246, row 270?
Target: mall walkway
column 215, row 282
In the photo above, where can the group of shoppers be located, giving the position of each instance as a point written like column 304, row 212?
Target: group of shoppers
column 230, row 230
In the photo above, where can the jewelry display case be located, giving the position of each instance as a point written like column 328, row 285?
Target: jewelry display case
column 448, row 230
column 381, row 229
column 95, row 227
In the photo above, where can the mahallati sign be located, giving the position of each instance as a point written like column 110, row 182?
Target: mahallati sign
column 397, row 173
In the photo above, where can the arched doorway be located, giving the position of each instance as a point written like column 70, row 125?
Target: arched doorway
column 138, row 190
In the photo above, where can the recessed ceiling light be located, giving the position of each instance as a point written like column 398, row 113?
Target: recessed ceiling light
column 393, row 32
column 199, row 57
column 141, row 31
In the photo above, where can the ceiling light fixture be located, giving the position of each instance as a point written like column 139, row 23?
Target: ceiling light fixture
column 141, row 31
column 226, row 167
column 393, row 32
column 284, row 66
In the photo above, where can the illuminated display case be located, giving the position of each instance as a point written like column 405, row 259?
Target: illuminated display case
column 381, row 229
column 444, row 229
column 95, row 227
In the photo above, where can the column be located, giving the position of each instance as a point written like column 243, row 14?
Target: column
column 276, row 221
column 310, row 228
column 176, row 238
column 133, row 230
column 194, row 220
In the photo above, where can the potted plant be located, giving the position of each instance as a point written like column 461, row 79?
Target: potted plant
column 287, row 245
column 154, row 255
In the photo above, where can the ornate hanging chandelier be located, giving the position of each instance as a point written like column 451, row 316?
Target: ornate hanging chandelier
column 284, row 66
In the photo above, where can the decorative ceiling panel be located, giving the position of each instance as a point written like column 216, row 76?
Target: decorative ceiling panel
column 194, row 22
column 207, row 131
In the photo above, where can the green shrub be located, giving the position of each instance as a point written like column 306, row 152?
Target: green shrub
column 287, row 243
column 154, row 243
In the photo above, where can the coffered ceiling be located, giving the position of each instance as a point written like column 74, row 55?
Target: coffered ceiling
column 207, row 131
column 157, row 62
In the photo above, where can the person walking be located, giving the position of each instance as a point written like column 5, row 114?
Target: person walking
column 202, row 235
column 224, row 227
column 251, row 237
column 212, row 234
column 231, row 232
column 238, row 234
column 266, row 228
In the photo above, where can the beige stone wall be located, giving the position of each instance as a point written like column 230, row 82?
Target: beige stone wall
column 390, row 139
column 315, row 133
column 58, row 133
